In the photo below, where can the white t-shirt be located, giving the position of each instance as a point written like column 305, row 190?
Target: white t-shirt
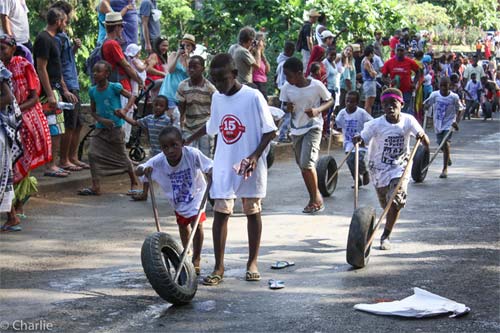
column 17, row 12
column 445, row 109
column 473, row 89
column 352, row 124
column 239, row 121
column 389, row 147
column 304, row 98
column 183, row 184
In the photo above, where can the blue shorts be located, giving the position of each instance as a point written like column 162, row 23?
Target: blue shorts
column 440, row 136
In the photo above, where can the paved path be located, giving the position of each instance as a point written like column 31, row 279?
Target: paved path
column 76, row 264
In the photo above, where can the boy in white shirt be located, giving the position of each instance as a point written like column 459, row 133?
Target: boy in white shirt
column 351, row 121
column 472, row 92
column 388, row 137
column 244, row 126
column 446, row 115
column 306, row 99
column 179, row 172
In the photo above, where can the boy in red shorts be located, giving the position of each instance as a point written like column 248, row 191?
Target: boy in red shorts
column 179, row 172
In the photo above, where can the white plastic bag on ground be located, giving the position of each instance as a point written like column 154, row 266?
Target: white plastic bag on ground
column 421, row 304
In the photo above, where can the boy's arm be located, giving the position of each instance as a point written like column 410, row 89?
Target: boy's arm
column 182, row 111
column 313, row 112
column 131, row 98
column 143, row 171
column 424, row 139
column 254, row 157
column 198, row 134
column 123, row 115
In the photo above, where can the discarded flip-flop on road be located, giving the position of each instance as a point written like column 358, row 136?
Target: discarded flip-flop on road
column 276, row 284
column 282, row 264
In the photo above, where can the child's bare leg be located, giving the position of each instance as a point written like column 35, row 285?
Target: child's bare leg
column 446, row 159
column 390, row 220
column 254, row 230
column 369, row 103
column 197, row 245
column 134, row 182
column 184, row 232
column 219, row 234
column 144, row 195
column 311, row 181
column 12, row 218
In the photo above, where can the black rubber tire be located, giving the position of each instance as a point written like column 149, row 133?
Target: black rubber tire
column 360, row 230
column 137, row 154
column 326, row 167
column 420, row 161
column 160, row 256
column 270, row 156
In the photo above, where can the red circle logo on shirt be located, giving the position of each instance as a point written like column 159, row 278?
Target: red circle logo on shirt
column 231, row 129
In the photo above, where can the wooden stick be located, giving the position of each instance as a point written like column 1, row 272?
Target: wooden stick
column 356, row 174
column 153, row 203
column 438, row 149
column 339, row 166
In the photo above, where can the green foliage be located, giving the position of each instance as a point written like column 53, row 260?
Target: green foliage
column 419, row 17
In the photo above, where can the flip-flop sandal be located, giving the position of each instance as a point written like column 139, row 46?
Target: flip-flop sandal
column 252, row 276
column 134, row 192
column 282, row 264
column 21, row 216
column 56, row 174
column 313, row 208
column 83, row 165
column 71, row 168
column 276, row 284
column 212, row 280
column 87, row 191
column 11, row 228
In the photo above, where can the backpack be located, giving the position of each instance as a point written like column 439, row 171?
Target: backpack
column 95, row 56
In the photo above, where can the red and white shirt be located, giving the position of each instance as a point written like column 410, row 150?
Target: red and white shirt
column 239, row 121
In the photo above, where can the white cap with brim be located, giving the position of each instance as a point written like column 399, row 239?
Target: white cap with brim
column 132, row 50
column 326, row 34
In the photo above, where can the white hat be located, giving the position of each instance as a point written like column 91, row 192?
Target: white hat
column 314, row 13
column 326, row 34
column 132, row 50
column 113, row 18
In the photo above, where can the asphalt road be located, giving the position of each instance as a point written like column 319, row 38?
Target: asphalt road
column 76, row 266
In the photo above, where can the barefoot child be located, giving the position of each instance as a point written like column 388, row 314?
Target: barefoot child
column 240, row 171
column 351, row 121
column 306, row 99
column 179, row 172
column 153, row 124
column 107, row 147
column 446, row 114
column 388, row 138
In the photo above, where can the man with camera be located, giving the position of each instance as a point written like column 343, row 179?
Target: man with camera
column 243, row 58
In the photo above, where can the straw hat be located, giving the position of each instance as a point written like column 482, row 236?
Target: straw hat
column 188, row 38
column 314, row 13
column 113, row 18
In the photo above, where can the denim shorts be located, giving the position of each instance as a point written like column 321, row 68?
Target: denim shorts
column 370, row 88
column 440, row 136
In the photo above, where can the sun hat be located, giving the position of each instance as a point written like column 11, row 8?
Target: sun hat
column 314, row 13
column 326, row 34
column 356, row 47
column 189, row 39
column 113, row 18
column 132, row 50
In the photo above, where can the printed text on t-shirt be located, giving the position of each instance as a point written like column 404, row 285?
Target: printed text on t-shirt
column 393, row 149
column 182, row 182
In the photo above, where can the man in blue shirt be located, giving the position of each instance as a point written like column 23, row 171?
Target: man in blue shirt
column 150, row 24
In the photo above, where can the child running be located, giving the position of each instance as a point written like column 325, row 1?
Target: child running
column 107, row 147
column 306, row 99
column 472, row 92
column 179, row 172
column 240, row 171
column 350, row 121
column 388, row 138
column 153, row 124
column 446, row 114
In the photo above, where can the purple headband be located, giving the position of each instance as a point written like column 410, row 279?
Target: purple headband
column 396, row 97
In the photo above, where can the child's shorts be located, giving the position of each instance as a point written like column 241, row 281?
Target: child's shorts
column 251, row 206
column 306, row 148
column 385, row 193
column 440, row 136
column 181, row 220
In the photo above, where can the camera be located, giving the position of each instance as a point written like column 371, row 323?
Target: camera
column 182, row 46
column 254, row 43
